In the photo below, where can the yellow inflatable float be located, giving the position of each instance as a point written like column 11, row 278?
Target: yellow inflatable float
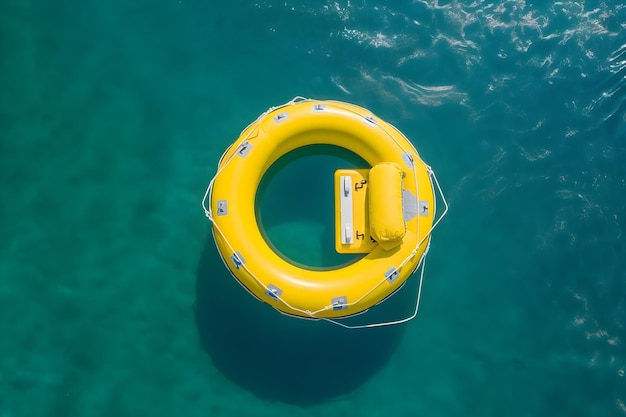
column 385, row 212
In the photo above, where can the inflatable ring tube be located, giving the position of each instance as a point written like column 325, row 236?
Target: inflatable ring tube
column 294, row 290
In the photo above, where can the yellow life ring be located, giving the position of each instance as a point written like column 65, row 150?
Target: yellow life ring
column 393, row 202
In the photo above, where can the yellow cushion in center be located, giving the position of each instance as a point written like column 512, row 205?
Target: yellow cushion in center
column 385, row 204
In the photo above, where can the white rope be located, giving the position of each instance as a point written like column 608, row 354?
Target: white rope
column 313, row 314
column 392, row 322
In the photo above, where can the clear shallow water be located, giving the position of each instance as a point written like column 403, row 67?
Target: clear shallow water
column 296, row 206
column 113, row 117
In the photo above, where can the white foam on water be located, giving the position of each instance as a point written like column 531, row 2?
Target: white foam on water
column 434, row 95
column 464, row 29
column 337, row 81
column 375, row 39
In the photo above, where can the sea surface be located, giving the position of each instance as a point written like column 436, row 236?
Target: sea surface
column 115, row 302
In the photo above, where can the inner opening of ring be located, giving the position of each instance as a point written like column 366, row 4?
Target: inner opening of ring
column 295, row 205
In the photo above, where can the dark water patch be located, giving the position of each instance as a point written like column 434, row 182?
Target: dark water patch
column 281, row 358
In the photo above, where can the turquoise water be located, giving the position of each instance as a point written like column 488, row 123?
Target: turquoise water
column 113, row 115
column 296, row 205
